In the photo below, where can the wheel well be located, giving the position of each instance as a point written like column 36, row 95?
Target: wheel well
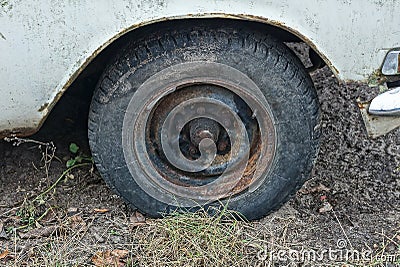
column 89, row 76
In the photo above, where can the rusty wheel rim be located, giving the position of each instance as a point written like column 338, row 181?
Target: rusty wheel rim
column 198, row 132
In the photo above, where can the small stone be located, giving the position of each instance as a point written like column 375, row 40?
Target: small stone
column 98, row 238
column 3, row 234
column 326, row 207
column 137, row 219
column 72, row 211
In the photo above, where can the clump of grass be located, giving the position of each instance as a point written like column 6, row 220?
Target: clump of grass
column 193, row 239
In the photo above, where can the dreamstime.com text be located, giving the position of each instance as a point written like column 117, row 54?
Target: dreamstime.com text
column 340, row 254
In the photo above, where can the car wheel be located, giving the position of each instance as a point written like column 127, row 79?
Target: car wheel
column 205, row 115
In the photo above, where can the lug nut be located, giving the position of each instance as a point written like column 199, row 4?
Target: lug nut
column 222, row 146
column 192, row 150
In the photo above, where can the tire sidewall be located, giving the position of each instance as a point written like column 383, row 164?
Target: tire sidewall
column 272, row 67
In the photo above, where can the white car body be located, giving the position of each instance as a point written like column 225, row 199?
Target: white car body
column 45, row 44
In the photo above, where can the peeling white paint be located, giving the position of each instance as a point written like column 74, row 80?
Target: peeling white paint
column 44, row 42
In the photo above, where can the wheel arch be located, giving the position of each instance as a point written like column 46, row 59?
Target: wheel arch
column 98, row 59
column 277, row 28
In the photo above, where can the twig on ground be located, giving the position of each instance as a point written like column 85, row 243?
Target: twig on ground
column 341, row 227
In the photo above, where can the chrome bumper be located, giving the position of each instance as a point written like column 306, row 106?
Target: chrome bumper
column 382, row 114
column 386, row 104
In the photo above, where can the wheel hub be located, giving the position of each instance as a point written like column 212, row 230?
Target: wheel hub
column 198, row 135
column 203, row 128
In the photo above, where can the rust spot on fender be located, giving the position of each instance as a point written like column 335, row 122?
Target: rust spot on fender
column 43, row 107
column 19, row 132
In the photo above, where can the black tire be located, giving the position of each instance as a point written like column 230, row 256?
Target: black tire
column 273, row 67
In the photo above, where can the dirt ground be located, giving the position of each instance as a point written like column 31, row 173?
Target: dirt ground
column 353, row 194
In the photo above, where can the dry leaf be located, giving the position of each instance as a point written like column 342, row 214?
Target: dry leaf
column 110, row 258
column 120, row 253
column 77, row 223
column 101, row 210
column 4, row 254
column 39, row 232
column 137, row 219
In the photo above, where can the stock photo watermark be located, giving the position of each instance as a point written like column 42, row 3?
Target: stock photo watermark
column 342, row 253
